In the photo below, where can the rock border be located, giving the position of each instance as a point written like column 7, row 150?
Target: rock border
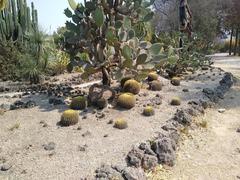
column 162, row 150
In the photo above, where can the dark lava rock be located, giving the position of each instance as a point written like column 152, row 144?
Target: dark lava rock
column 165, row 149
column 182, row 117
column 50, row 146
column 134, row 157
column 147, row 149
column 106, row 172
column 238, row 130
column 149, row 162
column 131, row 173
column 5, row 107
column 185, row 90
column 30, row 104
column 171, row 125
column 56, row 101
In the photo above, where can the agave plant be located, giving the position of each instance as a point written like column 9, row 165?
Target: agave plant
column 113, row 34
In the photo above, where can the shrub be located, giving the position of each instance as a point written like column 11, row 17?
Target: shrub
column 175, row 81
column 176, row 101
column 148, row 111
column 69, row 117
column 155, row 85
column 152, row 76
column 79, row 103
column 126, row 100
column 132, row 86
column 121, row 124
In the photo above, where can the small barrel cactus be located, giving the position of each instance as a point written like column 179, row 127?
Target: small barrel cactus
column 69, row 117
column 152, row 76
column 176, row 101
column 123, row 80
column 132, row 86
column 126, row 100
column 175, row 81
column 79, row 103
column 155, row 85
column 121, row 124
column 148, row 111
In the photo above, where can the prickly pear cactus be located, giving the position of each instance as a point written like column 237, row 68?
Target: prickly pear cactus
column 114, row 35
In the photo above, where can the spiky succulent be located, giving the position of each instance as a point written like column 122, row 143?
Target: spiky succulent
column 126, row 100
column 121, row 124
column 123, row 80
column 155, row 85
column 79, row 103
column 176, row 81
column 176, row 101
column 132, row 86
column 148, row 111
column 69, row 117
column 152, row 76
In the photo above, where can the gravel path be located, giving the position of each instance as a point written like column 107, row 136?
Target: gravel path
column 213, row 153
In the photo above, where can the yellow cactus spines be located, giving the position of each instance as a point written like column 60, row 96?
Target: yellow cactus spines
column 126, row 100
column 148, row 111
column 175, row 81
column 155, row 85
column 69, row 117
column 121, row 124
column 152, row 76
column 132, row 86
column 79, row 103
column 176, row 101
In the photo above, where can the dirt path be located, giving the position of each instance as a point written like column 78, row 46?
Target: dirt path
column 213, row 153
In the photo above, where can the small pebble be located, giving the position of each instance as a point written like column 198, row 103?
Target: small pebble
column 238, row 130
column 221, row 110
column 5, row 167
column 50, row 146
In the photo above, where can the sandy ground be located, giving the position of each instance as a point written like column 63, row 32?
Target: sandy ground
column 22, row 148
column 212, row 153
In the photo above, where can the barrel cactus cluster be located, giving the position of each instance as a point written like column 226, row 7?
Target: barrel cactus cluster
column 17, row 20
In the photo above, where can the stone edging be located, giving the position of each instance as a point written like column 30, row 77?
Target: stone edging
column 162, row 150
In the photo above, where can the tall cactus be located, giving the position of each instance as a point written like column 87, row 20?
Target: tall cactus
column 17, row 20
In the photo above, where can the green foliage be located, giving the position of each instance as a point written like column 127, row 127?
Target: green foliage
column 121, row 124
column 148, row 111
column 111, row 34
column 155, row 85
column 132, row 86
column 126, row 100
column 69, row 117
column 29, row 70
column 79, row 103
column 60, row 62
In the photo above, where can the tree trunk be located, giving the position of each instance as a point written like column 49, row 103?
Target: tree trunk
column 230, row 47
column 236, row 43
